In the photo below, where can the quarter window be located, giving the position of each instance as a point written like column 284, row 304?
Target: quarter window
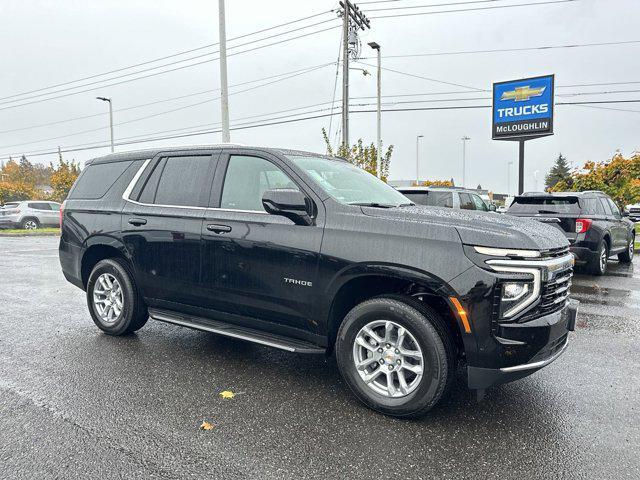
column 184, row 181
column 247, row 179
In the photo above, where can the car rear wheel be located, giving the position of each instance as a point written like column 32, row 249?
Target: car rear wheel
column 114, row 302
column 396, row 356
column 30, row 224
column 598, row 264
column 627, row 256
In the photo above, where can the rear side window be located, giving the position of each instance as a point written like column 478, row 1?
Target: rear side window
column 39, row 206
column 592, row 206
column 184, row 181
column 466, row 202
column 97, row 179
column 430, row 198
column 606, row 206
column 545, row 205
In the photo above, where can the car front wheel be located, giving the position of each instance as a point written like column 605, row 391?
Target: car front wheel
column 627, row 256
column 115, row 304
column 396, row 356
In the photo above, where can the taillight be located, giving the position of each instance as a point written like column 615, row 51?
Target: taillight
column 582, row 225
column 61, row 212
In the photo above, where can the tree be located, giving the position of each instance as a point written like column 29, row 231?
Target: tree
column 361, row 156
column 435, row 183
column 560, row 171
column 62, row 179
column 619, row 178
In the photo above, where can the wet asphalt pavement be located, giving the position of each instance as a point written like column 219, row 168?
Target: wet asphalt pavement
column 75, row 403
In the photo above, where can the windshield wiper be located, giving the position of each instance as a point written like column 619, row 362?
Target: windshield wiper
column 373, row 204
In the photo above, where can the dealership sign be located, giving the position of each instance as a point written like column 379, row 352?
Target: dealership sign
column 523, row 109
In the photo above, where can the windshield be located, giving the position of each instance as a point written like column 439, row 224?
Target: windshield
column 544, row 205
column 349, row 184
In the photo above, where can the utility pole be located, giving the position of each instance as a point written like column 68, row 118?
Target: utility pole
column 418, row 137
column 509, row 178
column 224, row 87
column 376, row 47
column 464, row 160
column 350, row 15
column 521, row 168
column 105, row 99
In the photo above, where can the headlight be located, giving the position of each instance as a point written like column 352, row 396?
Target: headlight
column 514, row 297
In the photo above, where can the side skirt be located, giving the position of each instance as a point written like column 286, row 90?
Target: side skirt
column 235, row 331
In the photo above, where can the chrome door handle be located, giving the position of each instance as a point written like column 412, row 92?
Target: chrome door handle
column 137, row 221
column 212, row 227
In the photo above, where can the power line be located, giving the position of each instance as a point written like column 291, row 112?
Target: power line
column 167, row 111
column 146, row 140
column 180, row 97
column 471, row 9
column 450, row 4
column 503, row 50
column 151, row 69
column 425, row 78
column 169, row 56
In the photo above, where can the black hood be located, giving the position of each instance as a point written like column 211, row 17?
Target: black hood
column 487, row 229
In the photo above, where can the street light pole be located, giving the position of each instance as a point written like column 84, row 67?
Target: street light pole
column 224, row 87
column 464, row 159
column 105, row 99
column 418, row 137
column 376, row 47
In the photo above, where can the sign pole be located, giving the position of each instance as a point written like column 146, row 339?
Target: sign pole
column 521, row 168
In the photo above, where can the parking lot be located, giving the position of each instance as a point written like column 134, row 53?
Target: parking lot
column 75, row 403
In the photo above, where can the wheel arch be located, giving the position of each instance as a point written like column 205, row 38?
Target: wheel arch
column 98, row 248
column 416, row 287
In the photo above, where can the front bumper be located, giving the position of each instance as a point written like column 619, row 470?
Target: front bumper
column 539, row 341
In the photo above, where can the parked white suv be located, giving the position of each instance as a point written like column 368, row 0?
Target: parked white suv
column 633, row 211
column 30, row 214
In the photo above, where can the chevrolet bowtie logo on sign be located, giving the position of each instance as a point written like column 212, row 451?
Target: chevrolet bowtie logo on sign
column 523, row 108
column 521, row 94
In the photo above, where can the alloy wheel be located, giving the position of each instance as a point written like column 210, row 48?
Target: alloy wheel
column 30, row 225
column 107, row 298
column 603, row 259
column 388, row 358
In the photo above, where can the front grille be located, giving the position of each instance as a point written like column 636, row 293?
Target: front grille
column 634, row 210
column 553, row 296
column 554, row 252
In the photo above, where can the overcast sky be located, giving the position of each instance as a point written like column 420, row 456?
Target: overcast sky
column 44, row 43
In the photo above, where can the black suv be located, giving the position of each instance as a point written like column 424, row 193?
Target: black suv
column 311, row 254
column 590, row 220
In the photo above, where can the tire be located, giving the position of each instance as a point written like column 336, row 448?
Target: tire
column 29, row 223
column 424, row 330
column 598, row 265
column 127, row 315
column 627, row 256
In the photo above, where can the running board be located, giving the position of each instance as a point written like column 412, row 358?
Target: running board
column 235, row 331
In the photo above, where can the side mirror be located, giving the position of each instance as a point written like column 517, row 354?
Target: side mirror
column 492, row 207
column 289, row 203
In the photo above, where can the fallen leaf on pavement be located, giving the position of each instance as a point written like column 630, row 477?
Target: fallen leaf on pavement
column 227, row 394
column 206, row 426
